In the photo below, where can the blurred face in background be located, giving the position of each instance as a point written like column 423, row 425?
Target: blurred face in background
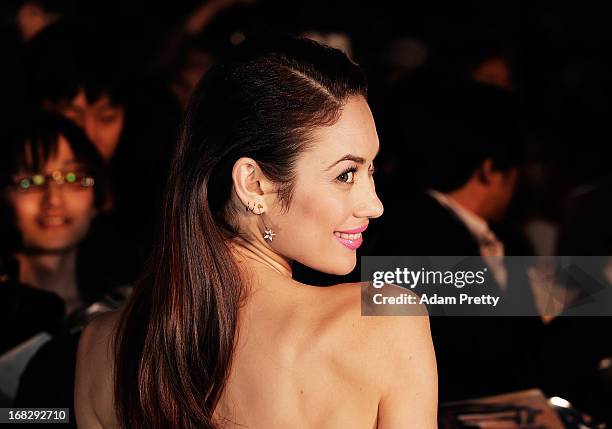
column 494, row 71
column 196, row 64
column 33, row 18
column 101, row 120
column 53, row 217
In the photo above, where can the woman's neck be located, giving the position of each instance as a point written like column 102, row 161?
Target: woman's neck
column 258, row 257
column 53, row 272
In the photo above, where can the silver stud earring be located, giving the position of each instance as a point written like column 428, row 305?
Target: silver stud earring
column 259, row 208
column 269, row 234
column 252, row 209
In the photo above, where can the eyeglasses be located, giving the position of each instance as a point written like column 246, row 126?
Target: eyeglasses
column 71, row 181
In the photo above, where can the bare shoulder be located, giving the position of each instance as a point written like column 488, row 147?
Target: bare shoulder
column 405, row 333
column 360, row 301
column 94, row 405
column 395, row 353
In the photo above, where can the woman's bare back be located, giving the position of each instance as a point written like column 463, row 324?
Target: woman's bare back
column 305, row 358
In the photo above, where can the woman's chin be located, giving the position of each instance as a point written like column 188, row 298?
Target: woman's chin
column 342, row 267
column 335, row 264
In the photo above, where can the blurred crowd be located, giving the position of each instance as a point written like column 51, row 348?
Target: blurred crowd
column 493, row 130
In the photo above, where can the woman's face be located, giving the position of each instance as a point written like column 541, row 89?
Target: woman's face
column 53, row 217
column 334, row 196
column 101, row 120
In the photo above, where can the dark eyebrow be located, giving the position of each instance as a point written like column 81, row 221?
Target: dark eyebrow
column 107, row 105
column 348, row 157
column 73, row 107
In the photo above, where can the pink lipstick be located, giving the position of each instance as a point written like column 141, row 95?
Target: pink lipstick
column 351, row 238
column 351, row 244
column 355, row 230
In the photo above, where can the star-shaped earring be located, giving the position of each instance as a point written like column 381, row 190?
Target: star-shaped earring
column 269, row 234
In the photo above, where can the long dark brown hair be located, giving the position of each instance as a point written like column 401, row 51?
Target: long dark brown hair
column 175, row 341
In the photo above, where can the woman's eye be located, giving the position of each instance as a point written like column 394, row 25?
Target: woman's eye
column 108, row 119
column 347, row 177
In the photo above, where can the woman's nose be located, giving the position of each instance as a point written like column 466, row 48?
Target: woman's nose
column 369, row 206
column 53, row 194
column 90, row 126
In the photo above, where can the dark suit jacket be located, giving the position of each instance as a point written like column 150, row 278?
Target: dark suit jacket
column 25, row 311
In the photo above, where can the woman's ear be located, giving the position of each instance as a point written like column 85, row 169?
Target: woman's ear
column 250, row 184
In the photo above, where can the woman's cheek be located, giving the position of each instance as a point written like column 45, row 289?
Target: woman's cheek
column 82, row 205
column 26, row 210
